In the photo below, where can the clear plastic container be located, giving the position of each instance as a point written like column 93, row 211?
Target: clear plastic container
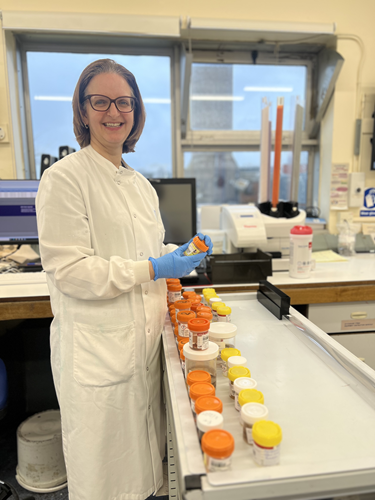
column 174, row 292
column 198, row 334
column 182, row 305
column 214, row 299
column 211, row 403
column 223, row 334
column 183, row 318
column 182, row 361
column 251, row 413
column 239, row 385
column 217, row 447
column 196, row 376
column 267, row 437
column 196, row 246
column 226, row 353
column 198, row 390
column 234, row 373
column 205, row 315
column 202, row 360
column 207, row 421
column 224, row 314
column 215, row 305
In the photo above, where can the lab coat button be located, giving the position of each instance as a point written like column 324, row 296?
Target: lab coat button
column 141, row 254
column 146, row 292
column 135, row 216
column 148, row 330
column 149, row 407
column 147, row 368
column 118, row 182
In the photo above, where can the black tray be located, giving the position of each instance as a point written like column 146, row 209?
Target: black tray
column 239, row 267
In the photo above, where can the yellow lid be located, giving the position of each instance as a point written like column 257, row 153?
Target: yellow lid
column 215, row 305
column 224, row 310
column 210, row 292
column 228, row 352
column 250, row 396
column 267, row 433
column 238, row 371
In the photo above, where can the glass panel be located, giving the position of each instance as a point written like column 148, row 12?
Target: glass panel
column 229, row 96
column 233, row 177
column 52, row 80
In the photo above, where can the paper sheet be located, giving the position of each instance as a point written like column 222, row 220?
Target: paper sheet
column 328, row 256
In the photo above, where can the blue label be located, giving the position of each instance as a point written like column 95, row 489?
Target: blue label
column 17, row 210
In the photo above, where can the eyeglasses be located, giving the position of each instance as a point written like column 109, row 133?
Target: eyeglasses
column 124, row 104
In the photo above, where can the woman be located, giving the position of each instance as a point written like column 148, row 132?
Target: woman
column 101, row 243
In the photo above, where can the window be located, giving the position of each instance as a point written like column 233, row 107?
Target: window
column 52, row 78
column 222, row 144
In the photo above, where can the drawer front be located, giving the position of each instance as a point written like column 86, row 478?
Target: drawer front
column 343, row 316
column 361, row 345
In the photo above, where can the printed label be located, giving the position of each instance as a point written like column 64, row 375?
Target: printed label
column 358, row 324
column 249, row 435
column 183, row 366
column 231, row 390
column 266, row 456
column 192, row 405
column 202, row 342
column 214, row 316
column 236, row 403
column 174, row 296
column 183, row 330
column 224, row 368
column 216, row 464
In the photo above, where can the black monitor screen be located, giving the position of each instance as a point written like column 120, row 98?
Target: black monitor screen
column 177, row 208
column 17, row 211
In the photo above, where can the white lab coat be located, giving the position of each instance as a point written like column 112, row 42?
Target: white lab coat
column 97, row 227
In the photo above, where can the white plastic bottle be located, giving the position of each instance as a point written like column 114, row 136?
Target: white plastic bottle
column 300, row 259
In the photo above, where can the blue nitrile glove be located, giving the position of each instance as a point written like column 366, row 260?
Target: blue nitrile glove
column 207, row 241
column 175, row 264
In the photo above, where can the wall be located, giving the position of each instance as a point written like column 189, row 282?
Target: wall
column 354, row 18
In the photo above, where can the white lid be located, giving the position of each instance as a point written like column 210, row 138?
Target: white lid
column 214, row 299
column 237, row 361
column 208, row 420
column 244, row 383
column 42, row 426
column 206, row 355
column 253, row 412
column 222, row 330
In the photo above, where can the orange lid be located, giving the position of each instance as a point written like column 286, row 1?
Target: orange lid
column 200, row 389
column 172, row 280
column 218, row 443
column 182, row 342
column 174, row 287
column 204, row 314
column 171, row 306
column 200, row 244
column 184, row 316
column 175, row 330
column 202, row 308
column 187, row 295
column 208, row 403
column 195, row 305
column 182, row 355
column 195, row 298
column 199, row 325
column 198, row 376
column 182, row 304
column 179, row 338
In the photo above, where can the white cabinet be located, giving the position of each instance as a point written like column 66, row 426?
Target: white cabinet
column 343, row 317
column 360, row 344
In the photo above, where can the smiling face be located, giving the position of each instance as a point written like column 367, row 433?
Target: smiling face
column 108, row 129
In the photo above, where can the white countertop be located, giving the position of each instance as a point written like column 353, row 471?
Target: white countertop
column 358, row 268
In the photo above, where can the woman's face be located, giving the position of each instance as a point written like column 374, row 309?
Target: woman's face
column 108, row 129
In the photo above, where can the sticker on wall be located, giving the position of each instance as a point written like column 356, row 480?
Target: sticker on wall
column 368, row 209
column 339, row 186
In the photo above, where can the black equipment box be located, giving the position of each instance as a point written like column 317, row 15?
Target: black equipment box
column 239, row 267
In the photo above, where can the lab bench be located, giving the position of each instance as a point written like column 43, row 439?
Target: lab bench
column 321, row 395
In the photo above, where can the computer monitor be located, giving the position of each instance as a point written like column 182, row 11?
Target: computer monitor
column 17, row 212
column 178, row 208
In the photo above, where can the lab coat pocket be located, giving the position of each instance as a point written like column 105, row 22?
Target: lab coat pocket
column 103, row 356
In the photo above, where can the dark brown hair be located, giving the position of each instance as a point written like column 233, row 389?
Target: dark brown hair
column 96, row 68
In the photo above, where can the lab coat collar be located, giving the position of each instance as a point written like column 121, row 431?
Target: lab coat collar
column 97, row 157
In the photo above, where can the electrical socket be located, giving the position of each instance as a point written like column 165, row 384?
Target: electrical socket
column 356, row 189
column 4, row 134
